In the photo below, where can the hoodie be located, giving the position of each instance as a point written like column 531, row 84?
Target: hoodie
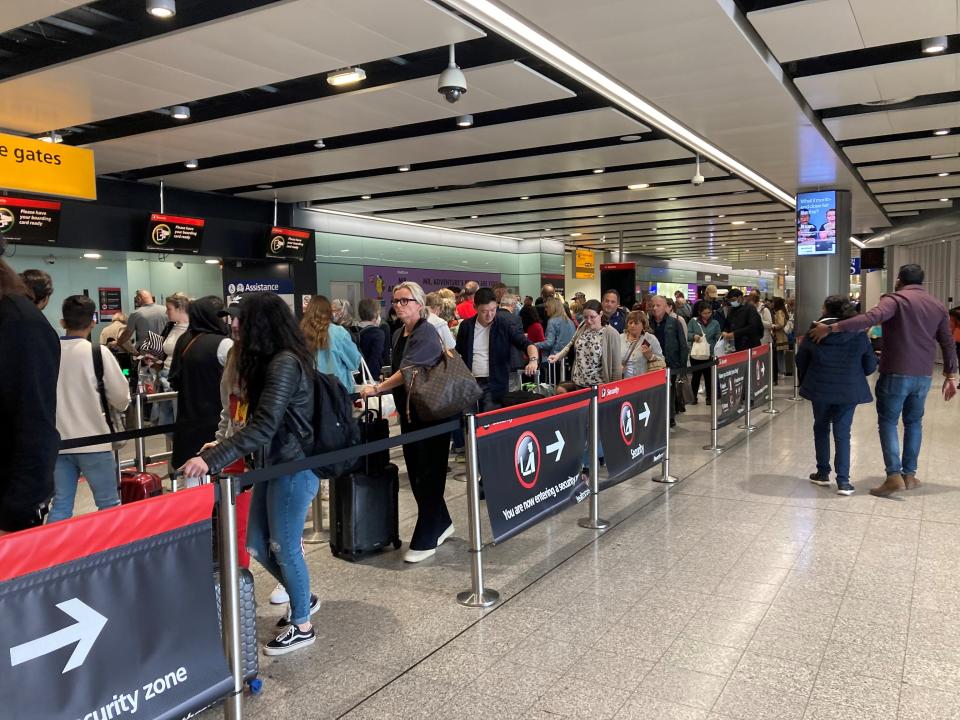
column 835, row 371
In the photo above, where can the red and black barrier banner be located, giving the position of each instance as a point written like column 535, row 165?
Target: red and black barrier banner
column 113, row 614
column 531, row 457
column 761, row 374
column 732, row 372
column 633, row 425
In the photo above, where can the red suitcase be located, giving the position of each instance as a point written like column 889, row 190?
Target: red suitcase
column 136, row 485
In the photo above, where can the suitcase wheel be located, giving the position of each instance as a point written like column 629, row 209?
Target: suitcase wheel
column 397, row 543
column 256, row 685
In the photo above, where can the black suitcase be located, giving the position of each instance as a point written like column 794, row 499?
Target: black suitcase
column 373, row 426
column 364, row 513
column 248, row 628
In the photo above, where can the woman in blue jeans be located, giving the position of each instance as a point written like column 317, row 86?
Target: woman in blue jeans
column 833, row 376
column 274, row 371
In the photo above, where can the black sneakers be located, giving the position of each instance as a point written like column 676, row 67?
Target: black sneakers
column 314, row 607
column 289, row 640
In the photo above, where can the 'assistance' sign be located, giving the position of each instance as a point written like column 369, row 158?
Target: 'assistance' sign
column 35, row 166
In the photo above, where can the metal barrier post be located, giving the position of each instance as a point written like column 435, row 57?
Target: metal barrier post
column 230, row 595
column 665, row 476
column 714, row 411
column 317, row 535
column 771, row 410
column 477, row 596
column 796, row 377
column 747, row 425
column 140, row 445
column 594, row 521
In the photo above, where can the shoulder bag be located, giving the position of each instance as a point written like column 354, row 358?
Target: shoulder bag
column 700, row 350
column 442, row 391
column 114, row 418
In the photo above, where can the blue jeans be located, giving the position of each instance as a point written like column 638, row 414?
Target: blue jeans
column 901, row 395
column 275, row 530
column 100, row 470
column 840, row 417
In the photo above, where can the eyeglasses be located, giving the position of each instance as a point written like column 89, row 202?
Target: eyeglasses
column 402, row 302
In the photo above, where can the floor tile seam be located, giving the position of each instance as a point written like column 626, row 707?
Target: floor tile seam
column 913, row 595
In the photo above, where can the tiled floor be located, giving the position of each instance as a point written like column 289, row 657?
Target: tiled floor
column 741, row 592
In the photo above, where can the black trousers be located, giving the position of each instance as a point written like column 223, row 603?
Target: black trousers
column 427, row 469
column 707, row 381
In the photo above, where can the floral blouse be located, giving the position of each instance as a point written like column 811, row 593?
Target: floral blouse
column 587, row 365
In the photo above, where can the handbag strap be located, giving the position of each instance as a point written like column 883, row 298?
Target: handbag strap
column 101, row 389
column 633, row 348
column 192, row 341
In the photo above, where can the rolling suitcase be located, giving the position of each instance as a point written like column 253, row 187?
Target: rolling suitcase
column 248, row 628
column 135, row 485
column 364, row 513
column 373, row 426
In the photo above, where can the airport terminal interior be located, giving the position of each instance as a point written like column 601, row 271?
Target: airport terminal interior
column 657, row 543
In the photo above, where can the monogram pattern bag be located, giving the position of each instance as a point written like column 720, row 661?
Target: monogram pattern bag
column 442, row 391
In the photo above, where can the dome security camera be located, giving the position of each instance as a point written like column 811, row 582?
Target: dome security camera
column 452, row 83
column 178, row 265
column 51, row 260
column 698, row 179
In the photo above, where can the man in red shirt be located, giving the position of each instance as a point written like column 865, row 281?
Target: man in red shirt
column 466, row 309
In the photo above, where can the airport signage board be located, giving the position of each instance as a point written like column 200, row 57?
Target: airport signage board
column 288, row 243
column 29, row 222
column 633, row 425
column 531, row 457
column 175, row 234
column 111, row 302
column 585, row 267
column 34, row 166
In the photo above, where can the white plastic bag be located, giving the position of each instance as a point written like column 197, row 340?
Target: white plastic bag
column 722, row 348
column 388, row 406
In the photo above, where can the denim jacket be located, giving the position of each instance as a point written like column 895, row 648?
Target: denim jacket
column 559, row 332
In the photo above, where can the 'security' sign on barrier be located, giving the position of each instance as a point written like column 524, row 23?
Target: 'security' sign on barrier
column 113, row 614
column 732, row 372
column 632, row 425
column 761, row 369
column 530, row 460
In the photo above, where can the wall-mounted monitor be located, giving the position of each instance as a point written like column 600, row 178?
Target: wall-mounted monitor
column 817, row 223
column 31, row 222
column 174, row 234
column 288, row 243
column 872, row 259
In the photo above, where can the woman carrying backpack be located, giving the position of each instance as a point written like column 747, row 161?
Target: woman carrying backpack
column 274, row 371
column 336, row 352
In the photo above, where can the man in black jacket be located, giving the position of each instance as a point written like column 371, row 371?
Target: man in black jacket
column 743, row 325
column 29, row 442
column 484, row 342
column 673, row 341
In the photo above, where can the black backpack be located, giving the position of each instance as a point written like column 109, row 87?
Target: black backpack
column 334, row 427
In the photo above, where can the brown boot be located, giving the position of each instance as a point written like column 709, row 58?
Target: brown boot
column 910, row 482
column 892, row 484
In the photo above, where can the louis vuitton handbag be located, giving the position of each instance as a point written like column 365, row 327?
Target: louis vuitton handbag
column 442, row 391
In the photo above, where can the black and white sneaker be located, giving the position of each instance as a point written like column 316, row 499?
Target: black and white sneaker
column 289, row 640
column 314, row 607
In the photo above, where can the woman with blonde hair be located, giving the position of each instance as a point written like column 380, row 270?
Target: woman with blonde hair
column 560, row 329
column 336, row 353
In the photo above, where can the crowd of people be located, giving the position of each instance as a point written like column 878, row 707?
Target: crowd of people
column 244, row 378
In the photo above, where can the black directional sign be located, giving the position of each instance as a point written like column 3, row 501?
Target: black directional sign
column 531, row 457
column 115, row 614
column 761, row 373
column 633, row 425
column 732, row 372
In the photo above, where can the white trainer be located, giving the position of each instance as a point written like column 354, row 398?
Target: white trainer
column 279, row 595
column 444, row 535
column 415, row 556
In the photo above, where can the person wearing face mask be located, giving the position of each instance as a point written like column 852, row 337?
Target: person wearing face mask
column 742, row 325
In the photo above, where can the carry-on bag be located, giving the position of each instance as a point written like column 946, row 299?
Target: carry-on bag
column 364, row 513
column 249, row 651
column 374, row 426
column 135, row 485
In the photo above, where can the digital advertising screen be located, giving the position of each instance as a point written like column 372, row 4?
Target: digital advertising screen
column 817, row 223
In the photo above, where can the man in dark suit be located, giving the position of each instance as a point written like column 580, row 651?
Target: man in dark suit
column 484, row 342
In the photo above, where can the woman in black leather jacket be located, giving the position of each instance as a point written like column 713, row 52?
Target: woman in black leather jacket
column 275, row 407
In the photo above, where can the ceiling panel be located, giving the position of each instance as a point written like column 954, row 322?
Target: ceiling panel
column 917, row 167
column 492, row 87
column 921, row 183
column 884, row 22
column 919, row 196
column 931, row 117
column 828, row 26
column 19, row 12
column 904, row 148
column 246, row 50
column 896, row 207
column 540, row 132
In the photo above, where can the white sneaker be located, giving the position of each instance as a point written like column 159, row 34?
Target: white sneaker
column 444, row 535
column 415, row 556
column 279, row 595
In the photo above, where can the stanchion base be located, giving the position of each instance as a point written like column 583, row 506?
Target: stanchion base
column 468, row 598
column 311, row 537
column 772, row 412
column 795, row 399
column 587, row 523
column 748, row 428
column 665, row 479
column 716, row 449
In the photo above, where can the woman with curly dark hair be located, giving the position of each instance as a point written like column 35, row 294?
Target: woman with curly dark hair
column 274, row 371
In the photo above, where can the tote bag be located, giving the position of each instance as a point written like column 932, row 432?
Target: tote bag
column 442, row 391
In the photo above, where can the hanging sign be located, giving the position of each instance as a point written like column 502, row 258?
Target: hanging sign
column 174, row 234
column 288, row 243
column 584, row 268
column 732, row 372
column 30, row 222
column 633, row 425
column 531, row 457
column 34, row 166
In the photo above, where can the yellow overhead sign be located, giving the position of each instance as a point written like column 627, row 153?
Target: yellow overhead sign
column 584, row 268
column 35, row 166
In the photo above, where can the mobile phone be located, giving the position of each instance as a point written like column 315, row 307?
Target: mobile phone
column 645, row 344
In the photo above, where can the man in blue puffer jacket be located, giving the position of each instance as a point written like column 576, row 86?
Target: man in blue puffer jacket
column 833, row 376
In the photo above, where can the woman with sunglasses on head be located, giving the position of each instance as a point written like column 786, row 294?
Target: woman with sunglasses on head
column 416, row 344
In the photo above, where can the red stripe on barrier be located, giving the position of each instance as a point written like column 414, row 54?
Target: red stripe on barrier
column 507, row 423
column 533, row 403
column 733, row 358
column 43, row 547
column 618, row 389
column 759, row 351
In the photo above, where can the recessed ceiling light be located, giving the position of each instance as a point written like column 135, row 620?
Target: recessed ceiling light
column 943, row 131
column 944, row 156
column 265, row 186
column 546, row 229
column 212, row 261
column 723, row 244
column 601, row 216
column 660, row 248
column 163, row 9
column 788, row 242
column 474, row 217
column 630, row 138
column 52, row 138
column 346, row 76
column 597, row 171
column 746, row 251
column 102, row 267
column 756, row 228
column 180, row 112
column 934, row 45
column 365, row 197
column 721, row 216
column 92, row 256
column 575, row 234
column 943, row 174
column 191, row 164
column 671, row 199
column 465, row 121
column 944, row 199
column 638, row 186
column 738, row 222
column 890, row 101
column 403, row 168
column 525, row 197
column 344, row 251
column 320, row 144
column 654, row 229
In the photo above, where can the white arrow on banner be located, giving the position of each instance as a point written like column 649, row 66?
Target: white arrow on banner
column 645, row 415
column 557, row 446
column 85, row 631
